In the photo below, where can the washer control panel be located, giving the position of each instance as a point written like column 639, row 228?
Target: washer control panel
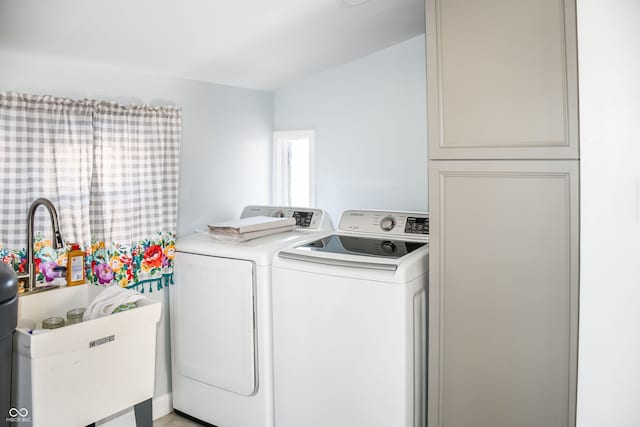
column 306, row 218
column 381, row 222
column 417, row 225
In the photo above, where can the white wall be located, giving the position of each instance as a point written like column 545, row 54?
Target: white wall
column 609, row 355
column 225, row 152
column 371, row 131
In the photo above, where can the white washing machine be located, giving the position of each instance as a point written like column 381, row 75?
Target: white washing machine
column 350, row 324
column 221, row 324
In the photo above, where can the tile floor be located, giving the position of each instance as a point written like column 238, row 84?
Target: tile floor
column 174, row 420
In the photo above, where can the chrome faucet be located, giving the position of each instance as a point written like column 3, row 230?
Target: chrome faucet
column 57, row 238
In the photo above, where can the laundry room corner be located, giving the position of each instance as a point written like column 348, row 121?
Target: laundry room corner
column 221, row 124
column 319, row 213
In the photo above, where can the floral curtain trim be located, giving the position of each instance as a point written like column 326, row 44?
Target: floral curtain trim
column 111, row 170
column 142, row 264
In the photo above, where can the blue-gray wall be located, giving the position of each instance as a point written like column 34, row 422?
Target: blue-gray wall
column 371, row 131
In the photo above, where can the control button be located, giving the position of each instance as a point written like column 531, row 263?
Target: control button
column 278, row 214
column 387, row 223
column 388, row 247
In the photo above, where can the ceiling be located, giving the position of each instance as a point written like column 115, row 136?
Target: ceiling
column 259, row 44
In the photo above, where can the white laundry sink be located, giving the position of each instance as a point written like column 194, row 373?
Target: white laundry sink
column 81, row 373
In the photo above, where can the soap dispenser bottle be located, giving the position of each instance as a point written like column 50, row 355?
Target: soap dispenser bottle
column 75, row 265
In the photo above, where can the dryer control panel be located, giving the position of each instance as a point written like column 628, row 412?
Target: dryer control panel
column 383, row 222
column 306, row 218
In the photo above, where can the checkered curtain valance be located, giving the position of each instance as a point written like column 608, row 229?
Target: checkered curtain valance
column 111, row 170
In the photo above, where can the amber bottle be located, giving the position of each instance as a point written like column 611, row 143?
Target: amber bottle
column 75, row 265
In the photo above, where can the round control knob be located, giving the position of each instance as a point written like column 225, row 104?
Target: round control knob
column 278, row 214
column 387, row 247
column 387, row 223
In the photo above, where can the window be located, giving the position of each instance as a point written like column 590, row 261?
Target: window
column 293, row 168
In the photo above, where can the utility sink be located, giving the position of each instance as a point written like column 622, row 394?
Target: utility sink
column 81, row 373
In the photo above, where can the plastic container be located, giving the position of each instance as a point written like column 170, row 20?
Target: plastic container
column 75, row 266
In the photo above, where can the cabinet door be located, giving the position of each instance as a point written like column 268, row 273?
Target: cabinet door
column 502, row 79
column 503, row 292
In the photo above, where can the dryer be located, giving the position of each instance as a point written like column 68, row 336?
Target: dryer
column 350, row 324
column 221, row 324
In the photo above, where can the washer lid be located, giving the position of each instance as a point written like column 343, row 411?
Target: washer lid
column 359, row 252
column 364, row 246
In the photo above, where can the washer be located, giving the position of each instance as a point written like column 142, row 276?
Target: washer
column 221, row 327
column 350, row 324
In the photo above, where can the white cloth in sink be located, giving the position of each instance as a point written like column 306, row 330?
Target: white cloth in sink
column 108, row 300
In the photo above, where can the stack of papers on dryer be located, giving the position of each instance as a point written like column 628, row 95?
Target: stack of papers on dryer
column 244, row 229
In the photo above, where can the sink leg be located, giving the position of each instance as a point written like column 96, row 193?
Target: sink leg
column 143, row 411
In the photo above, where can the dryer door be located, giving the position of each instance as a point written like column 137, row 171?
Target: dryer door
column 214, row 326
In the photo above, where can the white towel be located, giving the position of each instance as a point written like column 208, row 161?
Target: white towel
column 109, row 300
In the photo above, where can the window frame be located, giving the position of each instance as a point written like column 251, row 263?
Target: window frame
column 278, row 175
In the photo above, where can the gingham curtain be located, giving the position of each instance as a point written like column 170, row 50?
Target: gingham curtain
column 111, row 170
column 134, row 188
column 46, row 150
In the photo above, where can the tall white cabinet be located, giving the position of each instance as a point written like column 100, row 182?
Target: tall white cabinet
column 502, row 79
column 503, row 293
column 504, row 204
